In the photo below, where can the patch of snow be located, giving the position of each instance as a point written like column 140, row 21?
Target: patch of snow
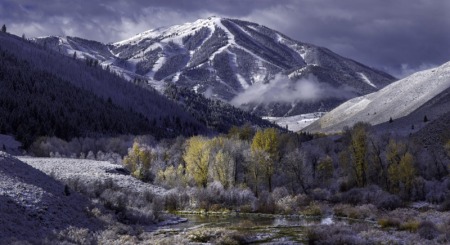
column 327, row 221
column 158, row 64
column 366, row 80
column 89, row 171
column 196, row 87
column 296, row 123
column 242, row 81
column 176, row 77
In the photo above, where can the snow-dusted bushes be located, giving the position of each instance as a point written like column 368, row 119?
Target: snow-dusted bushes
column 110, row 149
column 335, row 234
column 212, row 198
column 130, row 207
column 371, row 195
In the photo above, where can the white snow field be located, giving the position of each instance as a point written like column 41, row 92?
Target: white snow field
column 90, row 171
column 394, row 101
column 296, row 123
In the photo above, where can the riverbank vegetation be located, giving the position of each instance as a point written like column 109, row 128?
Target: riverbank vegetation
column 359, row 174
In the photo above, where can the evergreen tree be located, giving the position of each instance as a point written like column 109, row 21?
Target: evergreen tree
column 390, row 120
column 3, row 28
column 425, row 118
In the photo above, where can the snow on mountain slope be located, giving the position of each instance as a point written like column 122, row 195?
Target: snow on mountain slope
column 224, row 57
column 296, row 123
column 394, row 101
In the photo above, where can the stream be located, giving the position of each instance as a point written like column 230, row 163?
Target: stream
column 257, row 228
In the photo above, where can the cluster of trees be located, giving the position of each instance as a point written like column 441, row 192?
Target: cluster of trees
column 358, row 166
column 191, row 42
column 225, row 69
column 323, row 167
column 172, row 65
column 217, row 40
column 148, row 60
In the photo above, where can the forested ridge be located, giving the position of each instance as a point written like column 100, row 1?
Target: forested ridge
column 45, row 93
column 216, row 114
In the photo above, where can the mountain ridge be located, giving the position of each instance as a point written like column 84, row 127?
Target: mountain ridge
column 223, row 58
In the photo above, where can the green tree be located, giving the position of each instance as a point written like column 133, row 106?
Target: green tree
column 325, row 169
column 3, row 28
column 358, row 149
column 266, row 141
column 197, row 158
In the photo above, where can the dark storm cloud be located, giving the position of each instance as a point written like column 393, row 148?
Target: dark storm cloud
column 398, row 36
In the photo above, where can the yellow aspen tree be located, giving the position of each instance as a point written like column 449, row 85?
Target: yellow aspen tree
column 266, row 141
column 407, row 171
column 197, row 159
column 223, row 168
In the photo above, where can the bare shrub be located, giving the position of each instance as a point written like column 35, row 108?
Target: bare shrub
column 428, row 230
column 357, row 212
column 176, row 199
column 265, row 203
column 333, row 234
column 373, row 195
column 287, row 204
column 389, row 222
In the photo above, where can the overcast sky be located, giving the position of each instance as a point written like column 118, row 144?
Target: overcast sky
column 397, row 36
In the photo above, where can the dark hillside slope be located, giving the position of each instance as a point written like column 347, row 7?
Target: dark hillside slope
column 216, row 114
column 46, row 93
column 36, row 103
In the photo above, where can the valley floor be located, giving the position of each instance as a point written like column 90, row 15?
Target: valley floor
column 38, row 204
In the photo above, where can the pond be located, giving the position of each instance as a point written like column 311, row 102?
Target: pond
column 257, row 228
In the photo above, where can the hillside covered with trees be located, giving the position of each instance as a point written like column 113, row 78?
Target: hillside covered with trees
column 45, row 93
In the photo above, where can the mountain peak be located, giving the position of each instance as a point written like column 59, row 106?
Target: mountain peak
column 223, row 58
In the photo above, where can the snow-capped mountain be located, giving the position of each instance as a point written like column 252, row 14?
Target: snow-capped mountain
column 223, row 58
column 407, row 102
